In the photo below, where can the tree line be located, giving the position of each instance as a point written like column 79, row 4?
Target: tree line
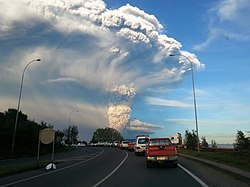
column 27, row 134
column 241, row 143
column 106, row 135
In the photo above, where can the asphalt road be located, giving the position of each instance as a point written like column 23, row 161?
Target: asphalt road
column 111, row 167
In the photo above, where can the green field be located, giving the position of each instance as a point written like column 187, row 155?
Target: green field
column 236, row 159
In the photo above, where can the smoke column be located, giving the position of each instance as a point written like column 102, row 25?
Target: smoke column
column 121, row 105
column 88, row 48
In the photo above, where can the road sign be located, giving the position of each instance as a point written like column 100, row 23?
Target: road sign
column 47, row 136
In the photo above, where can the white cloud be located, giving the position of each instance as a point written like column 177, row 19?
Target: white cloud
column 9, row 14
column 181, row 121
column 227, row 20
column 61, row 80
column 213, row 34
column 89, row 115
column 167, row 103
column 231, row 10
column 142, row 127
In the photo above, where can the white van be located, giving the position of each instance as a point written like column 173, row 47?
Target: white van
column 140, row 144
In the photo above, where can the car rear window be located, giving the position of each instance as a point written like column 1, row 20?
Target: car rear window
column 160, row 142
column 142, row 140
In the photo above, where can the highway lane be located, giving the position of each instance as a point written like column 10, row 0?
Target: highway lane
column 134, row 173
column 101, row 168
column 79, row 170
column 108, row 167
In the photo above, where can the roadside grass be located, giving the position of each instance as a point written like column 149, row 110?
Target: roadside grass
column 7, row 170
column 236, row 159
column 18, row 168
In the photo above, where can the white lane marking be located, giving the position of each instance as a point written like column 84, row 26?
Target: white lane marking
column 105, row 178
column 36, row 176
column 194, row 176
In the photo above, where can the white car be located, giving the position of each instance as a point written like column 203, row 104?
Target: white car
column 124, row 144
column 140, row 144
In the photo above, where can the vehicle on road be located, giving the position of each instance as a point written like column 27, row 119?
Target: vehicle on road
column 162, row 151
column 115, row 143
column 140, row 144
column 124, row 144
column 131, row 145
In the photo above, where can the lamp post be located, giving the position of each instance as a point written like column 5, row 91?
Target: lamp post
column 71, row 113
column 194, row 95
column 69, row 124
column 18, row 105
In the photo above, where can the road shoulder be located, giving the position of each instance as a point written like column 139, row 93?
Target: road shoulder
column 227, row 168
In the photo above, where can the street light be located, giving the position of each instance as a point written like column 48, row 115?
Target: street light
column 71, row 113
column 18, row 105
column 195, row 109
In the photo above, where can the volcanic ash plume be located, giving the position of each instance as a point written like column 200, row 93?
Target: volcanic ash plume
column 120, row 107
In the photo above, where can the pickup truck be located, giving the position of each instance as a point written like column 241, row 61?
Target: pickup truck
column 160, row 150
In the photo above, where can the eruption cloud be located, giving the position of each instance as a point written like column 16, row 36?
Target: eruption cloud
column 122, row 97
column 87, row 47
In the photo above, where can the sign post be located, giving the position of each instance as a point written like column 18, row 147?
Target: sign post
column 46, row 136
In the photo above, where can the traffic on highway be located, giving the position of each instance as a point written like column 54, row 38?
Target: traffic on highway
column 109, row 166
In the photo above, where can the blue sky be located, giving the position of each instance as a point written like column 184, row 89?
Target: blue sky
column 109, row 60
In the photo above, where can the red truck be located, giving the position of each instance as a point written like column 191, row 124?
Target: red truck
column 161, row 150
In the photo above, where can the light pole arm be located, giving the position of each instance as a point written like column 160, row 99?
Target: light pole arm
column 194, row 95
column 18, row 105
column 21, row 86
